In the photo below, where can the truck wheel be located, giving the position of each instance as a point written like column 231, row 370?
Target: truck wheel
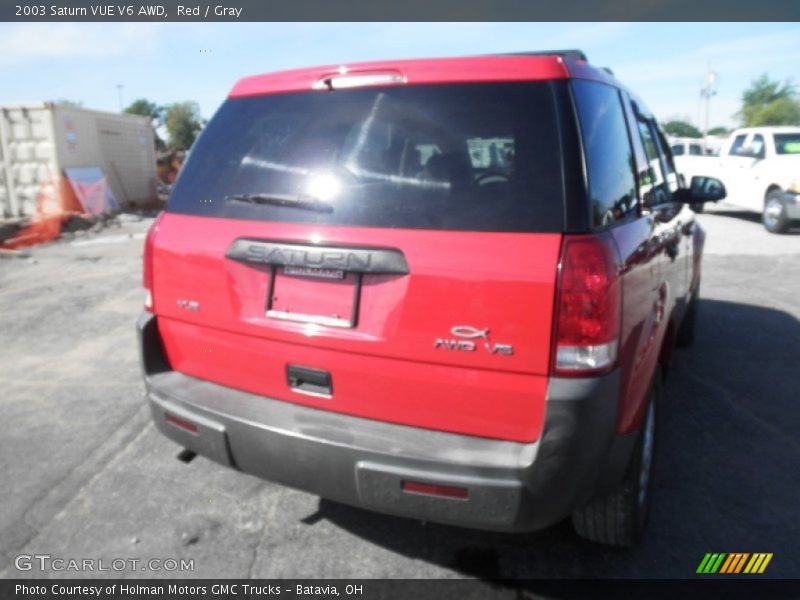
column 619, row 518
column 774, row 217
column 685, row 336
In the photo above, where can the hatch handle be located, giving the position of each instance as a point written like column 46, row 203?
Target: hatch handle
column 309, row 381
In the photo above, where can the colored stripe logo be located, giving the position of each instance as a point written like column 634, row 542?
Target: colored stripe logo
column 735, row 562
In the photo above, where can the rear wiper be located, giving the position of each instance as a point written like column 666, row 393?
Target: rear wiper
column 282, row 200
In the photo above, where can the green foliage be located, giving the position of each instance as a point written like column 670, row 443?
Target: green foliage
column 183, row 123
column 681, row 129
column 64, row 102
column 768, row 102
column 719, row 131
column 146, row 108
column 784, row 111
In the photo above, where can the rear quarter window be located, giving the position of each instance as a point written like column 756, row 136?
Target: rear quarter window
column 787, row 143
column 482, row 157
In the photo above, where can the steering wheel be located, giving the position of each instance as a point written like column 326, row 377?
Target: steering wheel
column 492, row 176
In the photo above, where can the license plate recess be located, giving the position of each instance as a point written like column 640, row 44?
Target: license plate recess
column 314, row 295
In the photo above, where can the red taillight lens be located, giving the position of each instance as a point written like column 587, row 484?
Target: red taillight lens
column 588, row 306
column 147, row 263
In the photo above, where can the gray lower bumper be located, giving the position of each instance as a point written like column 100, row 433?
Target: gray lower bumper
column 512, row 486
column 792, row 203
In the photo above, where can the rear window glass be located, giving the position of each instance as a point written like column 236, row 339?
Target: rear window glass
column 787, row 143
column 479, row 157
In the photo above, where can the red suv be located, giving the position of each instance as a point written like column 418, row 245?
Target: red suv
column 445, row 289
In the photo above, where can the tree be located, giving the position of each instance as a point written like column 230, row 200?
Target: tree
column 768, row 102
column 680, row 128
column 64, row 102
column 784, row 111
column 719, row 131
column 146, row 108
column 183, row 123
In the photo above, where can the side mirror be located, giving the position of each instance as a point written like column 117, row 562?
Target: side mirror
column 702, row 189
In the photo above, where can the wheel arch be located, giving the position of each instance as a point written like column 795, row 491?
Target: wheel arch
column 771, row 188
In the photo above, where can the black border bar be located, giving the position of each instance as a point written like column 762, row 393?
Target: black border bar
column 386, row 589
column 407, row 10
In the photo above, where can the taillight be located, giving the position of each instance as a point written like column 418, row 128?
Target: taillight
column 147, row 266
column 588, row 306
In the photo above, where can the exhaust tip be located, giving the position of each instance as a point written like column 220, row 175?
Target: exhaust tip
column 186, row 455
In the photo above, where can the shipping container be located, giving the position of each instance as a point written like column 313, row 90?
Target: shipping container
column 40, row 142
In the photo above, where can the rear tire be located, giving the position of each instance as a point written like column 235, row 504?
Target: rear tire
column 685, row 336
column 774, row 216
column 619, row 519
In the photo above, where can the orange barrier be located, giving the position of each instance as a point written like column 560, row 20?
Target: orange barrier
column 52, row 212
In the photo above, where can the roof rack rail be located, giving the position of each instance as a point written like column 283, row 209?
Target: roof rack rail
column 573, row 54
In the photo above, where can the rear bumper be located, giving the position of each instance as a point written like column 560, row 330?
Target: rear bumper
column 512, row 486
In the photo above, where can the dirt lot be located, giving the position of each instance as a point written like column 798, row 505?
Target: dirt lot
column 85, row 474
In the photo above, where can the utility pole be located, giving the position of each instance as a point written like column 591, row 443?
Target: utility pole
column 119, row 91
column 706, row 92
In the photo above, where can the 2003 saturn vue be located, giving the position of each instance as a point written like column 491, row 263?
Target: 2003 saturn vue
column 446, row 289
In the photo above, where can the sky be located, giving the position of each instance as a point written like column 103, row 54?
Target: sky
column 664, row 63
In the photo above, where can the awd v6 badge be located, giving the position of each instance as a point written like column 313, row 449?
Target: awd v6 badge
column 464, row 341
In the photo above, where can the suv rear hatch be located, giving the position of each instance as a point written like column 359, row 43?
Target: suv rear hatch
column 385, row 252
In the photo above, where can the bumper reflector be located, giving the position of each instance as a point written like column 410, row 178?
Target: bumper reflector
column 181, row 424
column 416, row 487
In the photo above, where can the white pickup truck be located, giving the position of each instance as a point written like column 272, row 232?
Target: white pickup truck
column 760, row 168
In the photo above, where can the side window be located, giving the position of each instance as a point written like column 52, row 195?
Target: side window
column 678, row 150
column 738, row 142
column 643, row 176
column 609, row 158
column 787, row 143
column 694, row 150
column 666, row 159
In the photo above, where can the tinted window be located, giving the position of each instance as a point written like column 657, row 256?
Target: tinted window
column 694, row 150
column 461, row 157
column 666, row 158
column 737, row 144
column 678, row 150
column 609, row 159
column 643, row 175
column 787, row 143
